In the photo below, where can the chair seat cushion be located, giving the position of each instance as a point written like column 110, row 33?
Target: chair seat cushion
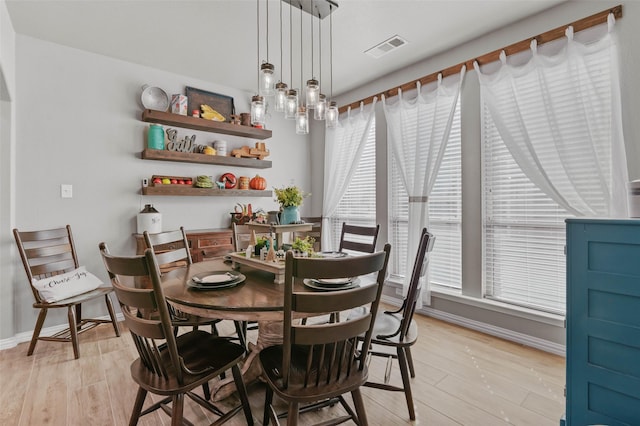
column 63, row 286
column 202, row 352
column 271, row 360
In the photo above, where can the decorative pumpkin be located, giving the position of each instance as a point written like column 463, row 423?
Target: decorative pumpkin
column 258, row 182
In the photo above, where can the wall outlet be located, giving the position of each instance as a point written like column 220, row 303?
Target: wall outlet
column 66, row 191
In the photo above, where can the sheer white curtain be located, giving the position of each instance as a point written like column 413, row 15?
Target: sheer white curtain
column 564, row 131
column 343, row 148
column 417, row 145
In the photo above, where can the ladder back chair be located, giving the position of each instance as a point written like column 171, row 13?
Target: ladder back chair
column 359, row 238
column 170, row 366
column 47, row 253
column 397, row 329
column 319, row 362
column 171, row 249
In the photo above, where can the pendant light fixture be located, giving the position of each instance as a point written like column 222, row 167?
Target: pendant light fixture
column 313, row 89
column 266, row 69
column 257, row 101
column 331, row 116
column 281, row 88
column 321, row 104
column 291, row 102
column 302, row 118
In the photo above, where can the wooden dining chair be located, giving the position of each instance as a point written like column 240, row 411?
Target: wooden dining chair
column 359, row 238
column 52, row 252
column 170, row 366
column 319, row 362
column 397, row 329
column 172, row 251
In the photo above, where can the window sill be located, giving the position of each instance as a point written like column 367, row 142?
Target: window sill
column 490, row 305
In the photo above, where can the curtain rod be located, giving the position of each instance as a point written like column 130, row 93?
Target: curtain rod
column 554, row 34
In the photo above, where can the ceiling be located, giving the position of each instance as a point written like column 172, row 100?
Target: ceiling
column 215, row 40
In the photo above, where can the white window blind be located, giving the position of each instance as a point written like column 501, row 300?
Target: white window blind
column 524, row 230
column 358, row 204
column 445, row 215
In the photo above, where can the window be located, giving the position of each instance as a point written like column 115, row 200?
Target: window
column 568, row 120
column 524, row 233
column 445, row 216
column 358, row 204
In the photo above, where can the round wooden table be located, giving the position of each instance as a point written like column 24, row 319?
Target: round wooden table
column 257, row 299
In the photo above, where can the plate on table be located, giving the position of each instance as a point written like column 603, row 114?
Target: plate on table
column 216, row 280
column 332, row 254
column 333, row 282
column 314, row 284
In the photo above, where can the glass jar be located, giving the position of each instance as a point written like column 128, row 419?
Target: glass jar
column 155, row 137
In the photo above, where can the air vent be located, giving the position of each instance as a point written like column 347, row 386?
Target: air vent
column 386, row 46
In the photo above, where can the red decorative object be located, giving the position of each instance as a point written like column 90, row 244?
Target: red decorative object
column 258, row 182
column 229, row 180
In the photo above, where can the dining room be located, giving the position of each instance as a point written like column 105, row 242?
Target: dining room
column 81, row 100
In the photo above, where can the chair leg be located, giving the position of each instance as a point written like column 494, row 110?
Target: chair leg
column 137, row 407
column 404, row 371
column 410, row 362
column 73, row 330
column 241, row 331
column 268, row 400
column 178, row 409
column 36, row 331
column 112, row 314
column 78, row 315
column 292, row 416
column 359, row 406
column 242, row 393
column 206, row 391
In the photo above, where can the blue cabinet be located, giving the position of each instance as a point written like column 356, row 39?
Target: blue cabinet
column 603, row 322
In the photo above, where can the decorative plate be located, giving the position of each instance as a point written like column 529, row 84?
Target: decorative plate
column 332, row 254
column 317, row 286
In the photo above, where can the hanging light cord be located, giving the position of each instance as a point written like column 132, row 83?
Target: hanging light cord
column 331, row 50
column 258, row 38
column 281, row 69
column 311, row 21
column 291, row 43
column 267, row 6
column 320, row 44
column 301, row 46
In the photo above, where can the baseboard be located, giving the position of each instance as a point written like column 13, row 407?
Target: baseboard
column 12, row 342
column 513, row 336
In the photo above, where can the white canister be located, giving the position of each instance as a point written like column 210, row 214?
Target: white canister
column 634, row 198
column 150, row 220
column 221, row 147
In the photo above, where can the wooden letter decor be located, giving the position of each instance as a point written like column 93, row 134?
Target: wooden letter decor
column 188, row 144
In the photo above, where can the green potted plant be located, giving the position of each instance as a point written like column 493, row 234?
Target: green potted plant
column 290, row 199
column 303, row 246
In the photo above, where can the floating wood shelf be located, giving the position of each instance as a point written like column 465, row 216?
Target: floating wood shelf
column 184, row 190
column 185, row 157
column 169, row 119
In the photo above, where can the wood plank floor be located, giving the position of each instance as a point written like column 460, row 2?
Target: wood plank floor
column 462, row 378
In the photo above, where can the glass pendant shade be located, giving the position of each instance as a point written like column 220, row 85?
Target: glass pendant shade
column 266, row 79
column 291, row 104
column 302, row 121
column 331, row 116
column 257, row 110
column 321, row 107
column 281, row 96
column 313, row 90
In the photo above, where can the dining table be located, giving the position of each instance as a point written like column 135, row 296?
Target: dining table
column 257, row 298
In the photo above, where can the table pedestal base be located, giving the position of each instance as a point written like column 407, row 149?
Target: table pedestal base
column 269, row 334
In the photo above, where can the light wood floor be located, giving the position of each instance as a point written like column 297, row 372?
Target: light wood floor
column 462, row 378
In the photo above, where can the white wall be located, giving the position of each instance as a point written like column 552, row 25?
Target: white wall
column 470, row 309
column 7, row 150
column 78, row 123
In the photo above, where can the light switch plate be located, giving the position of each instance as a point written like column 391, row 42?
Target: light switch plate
column 66, row 191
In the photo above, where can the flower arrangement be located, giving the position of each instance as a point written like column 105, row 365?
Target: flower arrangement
column 290, row 196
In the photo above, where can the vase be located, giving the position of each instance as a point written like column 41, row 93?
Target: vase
column 290, row 215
